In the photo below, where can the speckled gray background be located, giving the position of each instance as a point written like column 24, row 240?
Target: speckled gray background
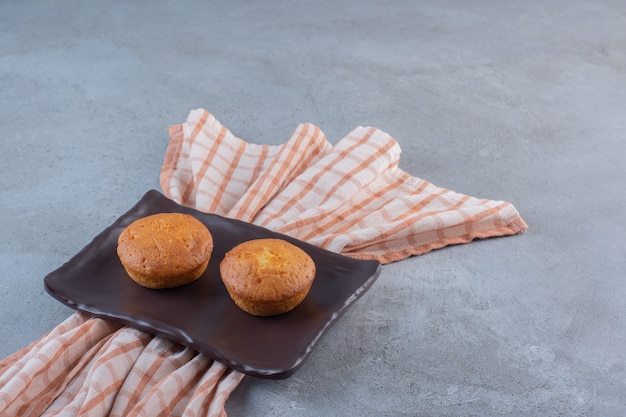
column 523, row 101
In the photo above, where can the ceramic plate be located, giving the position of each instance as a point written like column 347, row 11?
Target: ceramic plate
column 201, row 315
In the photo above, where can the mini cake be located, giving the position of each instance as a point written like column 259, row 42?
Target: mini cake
column 165, row 250
column 267, row 277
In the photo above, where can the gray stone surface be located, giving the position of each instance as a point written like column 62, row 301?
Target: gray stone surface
column 519, row 101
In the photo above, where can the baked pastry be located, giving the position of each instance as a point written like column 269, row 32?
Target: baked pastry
column 267, row 277
column 165, row 250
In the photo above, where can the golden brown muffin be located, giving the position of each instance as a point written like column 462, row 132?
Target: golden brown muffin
column 266, row 277
column 165, row 250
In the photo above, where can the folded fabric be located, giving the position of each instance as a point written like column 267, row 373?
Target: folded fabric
column 93, row 367
column 349, row 198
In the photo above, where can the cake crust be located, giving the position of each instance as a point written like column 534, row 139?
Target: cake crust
column 266, row 277
column 165, row 250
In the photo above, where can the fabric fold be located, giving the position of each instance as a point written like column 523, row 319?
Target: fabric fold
column 95, row 368
column 351, row 198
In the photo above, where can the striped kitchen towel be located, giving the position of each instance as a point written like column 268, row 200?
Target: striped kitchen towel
column 350, row 198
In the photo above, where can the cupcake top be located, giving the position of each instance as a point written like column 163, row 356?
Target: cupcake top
column 164, row 245
column 267, row 270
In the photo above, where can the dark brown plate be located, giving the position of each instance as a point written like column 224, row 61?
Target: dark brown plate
column 201, row 315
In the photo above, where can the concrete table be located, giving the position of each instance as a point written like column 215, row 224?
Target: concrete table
column 516, row 101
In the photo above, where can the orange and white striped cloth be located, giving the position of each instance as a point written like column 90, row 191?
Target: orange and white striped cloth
column 350, row 198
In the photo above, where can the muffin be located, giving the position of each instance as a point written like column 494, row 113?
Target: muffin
column 267, row 277
column 165, row 250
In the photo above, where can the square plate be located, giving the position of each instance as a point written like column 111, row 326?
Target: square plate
column 202, row 315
